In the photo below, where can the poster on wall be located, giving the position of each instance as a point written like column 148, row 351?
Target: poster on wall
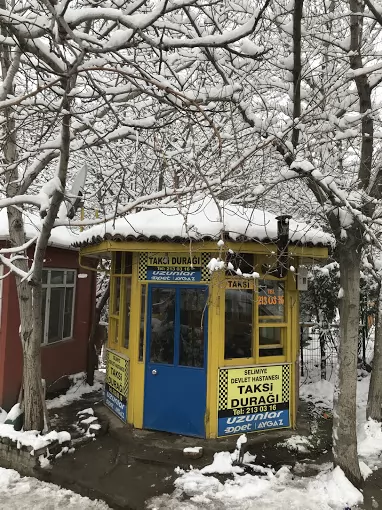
column 117, row 383
column 253, row 399
column 173, row 267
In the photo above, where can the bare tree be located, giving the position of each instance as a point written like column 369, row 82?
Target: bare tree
column 83, row 83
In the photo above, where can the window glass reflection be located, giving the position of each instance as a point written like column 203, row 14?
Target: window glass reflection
column 162, row 326
column 238, row 323
column 271, row 301
column 192, row 309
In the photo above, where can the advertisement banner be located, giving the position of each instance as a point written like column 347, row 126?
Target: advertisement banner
column 174, row 267
column 171, row 275
column 117, row 383
column 255, row 398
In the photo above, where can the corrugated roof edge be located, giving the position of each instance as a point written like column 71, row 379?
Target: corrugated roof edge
column 141, row 238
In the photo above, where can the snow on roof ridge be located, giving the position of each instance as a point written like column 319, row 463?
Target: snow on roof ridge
column 201, row 220
column 61, row 237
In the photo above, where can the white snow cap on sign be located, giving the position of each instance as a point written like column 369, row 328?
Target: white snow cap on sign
column 203, row 221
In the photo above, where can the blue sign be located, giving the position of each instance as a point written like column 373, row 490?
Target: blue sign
column 253, row 422
column 173, row 275
column 117, row 403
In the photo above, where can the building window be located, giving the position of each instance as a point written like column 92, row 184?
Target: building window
column 58, row 291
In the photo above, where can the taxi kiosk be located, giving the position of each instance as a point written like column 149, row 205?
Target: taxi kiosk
column 204, row 333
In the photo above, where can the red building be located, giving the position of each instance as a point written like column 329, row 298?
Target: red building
column 69, row 296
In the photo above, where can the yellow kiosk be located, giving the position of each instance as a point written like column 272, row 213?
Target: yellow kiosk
column 204, row 317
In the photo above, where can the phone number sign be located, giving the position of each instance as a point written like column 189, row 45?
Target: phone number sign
column 252, row 399
column 117, row 384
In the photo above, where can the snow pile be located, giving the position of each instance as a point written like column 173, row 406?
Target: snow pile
column 203, row 220
column 79, row 387
column 3, row 415
column 31, row 438
column 369, row 433
column 328, row 490
column 370, row 443
column 192, row 449
column 25, row 493
column 297, row 443
column 319, row 393
column 222, row 464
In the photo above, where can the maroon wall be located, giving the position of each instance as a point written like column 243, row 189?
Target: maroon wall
column 58, row 359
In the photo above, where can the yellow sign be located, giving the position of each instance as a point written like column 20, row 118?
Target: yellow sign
column 253, row 398
column 117, row 383
column 239, row 283
column 174, row 260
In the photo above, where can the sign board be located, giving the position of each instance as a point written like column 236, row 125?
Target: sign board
column 173, row 275
column 178, row 260
column 117, row 383
column 253, row 398
column 239, row 283
column 174, row 267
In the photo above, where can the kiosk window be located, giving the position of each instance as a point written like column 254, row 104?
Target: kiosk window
column 127, row 282
column 271, row 341
column 271, row 301
column 238, row 323
column 116, row 296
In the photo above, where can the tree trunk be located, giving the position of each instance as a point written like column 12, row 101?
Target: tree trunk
column 345, row 396
column 32, row 402
column 33, row 391
column 374, row 401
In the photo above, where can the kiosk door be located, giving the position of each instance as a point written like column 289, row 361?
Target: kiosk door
column 175, row 378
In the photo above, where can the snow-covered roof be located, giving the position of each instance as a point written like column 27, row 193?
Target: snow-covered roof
column 201, row 221
column 61, row 237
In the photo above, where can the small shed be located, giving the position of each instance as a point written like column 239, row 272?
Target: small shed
column 69, row 296
column 204, row 316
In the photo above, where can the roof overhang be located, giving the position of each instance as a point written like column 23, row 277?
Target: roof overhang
column 104, row 249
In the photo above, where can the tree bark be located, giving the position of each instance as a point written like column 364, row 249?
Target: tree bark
column 374, row 400
column 345, row 396
column 32, row 388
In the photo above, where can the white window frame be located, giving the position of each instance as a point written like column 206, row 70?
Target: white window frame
column 48, row 286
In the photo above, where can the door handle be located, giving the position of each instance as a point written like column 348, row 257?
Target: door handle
column 154, row 372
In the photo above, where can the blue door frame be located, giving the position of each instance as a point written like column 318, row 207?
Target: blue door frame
column 175, row 395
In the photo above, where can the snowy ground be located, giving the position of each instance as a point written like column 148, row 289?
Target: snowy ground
column 260, row 488
column 271, row 491
column 78, row 388
column 24, row 493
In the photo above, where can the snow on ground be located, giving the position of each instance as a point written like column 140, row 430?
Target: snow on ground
column 262, row 488
column 32, row 438
column 319, row 393
column 297, row 443
column 78, row 388
column 369, row 432
column 26, row 493
column 327, row 491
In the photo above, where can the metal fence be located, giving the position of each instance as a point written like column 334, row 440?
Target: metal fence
column 318, row 351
